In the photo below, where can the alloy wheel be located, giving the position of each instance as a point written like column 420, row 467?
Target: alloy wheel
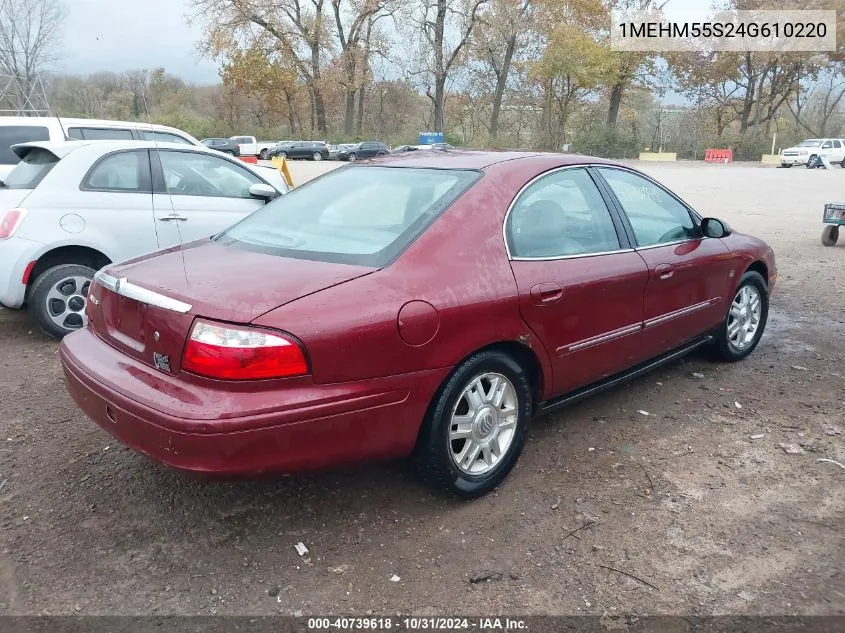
column 483, row 423
column 744, row 317
column 66, row 302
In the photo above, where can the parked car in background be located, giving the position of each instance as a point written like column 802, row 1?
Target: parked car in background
column 808, row 152
column 69, row 208
column 370, row 149
column 313, row 150
column 14, row 130
column 249, row 146
column 334, row 150
column 404, row 149
column 373, row 338
column 225, row 145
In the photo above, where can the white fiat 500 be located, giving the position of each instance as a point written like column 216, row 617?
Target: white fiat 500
column 69, row 208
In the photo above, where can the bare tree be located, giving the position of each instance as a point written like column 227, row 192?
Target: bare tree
column 501, row 32
column 29, row 39
column 824, row 99
column 437, row 20
column 296, row 28
column 355, row 40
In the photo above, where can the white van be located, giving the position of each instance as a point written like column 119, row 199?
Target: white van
column 14, row 130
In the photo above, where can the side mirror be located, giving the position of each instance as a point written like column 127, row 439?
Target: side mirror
column 711, row 227
column 263, row 192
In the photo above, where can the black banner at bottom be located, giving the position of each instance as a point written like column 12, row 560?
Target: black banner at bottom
column 387, row 624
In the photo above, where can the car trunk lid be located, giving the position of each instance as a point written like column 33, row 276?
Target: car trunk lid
column 145, row 307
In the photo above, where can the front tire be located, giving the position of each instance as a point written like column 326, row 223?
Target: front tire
column 813, row 162
column 352, row 158
column 57, row 299
column 263, row 154
column 746, row 320
column 830, row 235
column 785, row 165
column 476, row 426
column 317, row 156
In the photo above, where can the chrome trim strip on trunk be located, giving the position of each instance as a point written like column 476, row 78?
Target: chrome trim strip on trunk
column 679, row 313
column 129, row 290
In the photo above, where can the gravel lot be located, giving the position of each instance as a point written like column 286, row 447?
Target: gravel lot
column 609, row 511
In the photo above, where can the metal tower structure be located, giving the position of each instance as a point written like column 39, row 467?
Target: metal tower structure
column 21, row 96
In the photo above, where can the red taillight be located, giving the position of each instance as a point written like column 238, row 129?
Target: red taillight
column 241, row 353
column 10, row 222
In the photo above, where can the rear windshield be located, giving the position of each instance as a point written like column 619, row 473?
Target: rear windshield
column 31, row 169
column 354, row 215
column 14, row 134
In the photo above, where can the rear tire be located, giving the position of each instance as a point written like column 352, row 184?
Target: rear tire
column 744, row 324
column 352, row 158
column 483, row 408
column 57, row 299
column 317, row 156
column 263, row 154
column 830, row 235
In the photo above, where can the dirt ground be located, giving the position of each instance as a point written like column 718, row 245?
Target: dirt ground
column 693, row 509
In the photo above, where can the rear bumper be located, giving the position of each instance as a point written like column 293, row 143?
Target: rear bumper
column 15, row 255
column 306, row 427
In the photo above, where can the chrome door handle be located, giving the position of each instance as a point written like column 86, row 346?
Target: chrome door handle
column 664, row 271
column 546, row 293
column 173, row 217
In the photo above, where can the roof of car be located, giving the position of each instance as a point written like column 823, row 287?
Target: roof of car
column 477, row 159
column 62, row 148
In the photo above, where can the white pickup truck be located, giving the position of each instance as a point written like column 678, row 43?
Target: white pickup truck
column 249, row 146
column 810, row 150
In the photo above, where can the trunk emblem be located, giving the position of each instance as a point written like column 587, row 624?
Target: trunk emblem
column 156, row 336
column 161, row 361
column 94, row 300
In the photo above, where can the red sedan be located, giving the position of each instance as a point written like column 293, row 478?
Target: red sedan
column 428, row 304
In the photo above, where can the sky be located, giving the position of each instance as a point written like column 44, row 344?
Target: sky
column 120, row 35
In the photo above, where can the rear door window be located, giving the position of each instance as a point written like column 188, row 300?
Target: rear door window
column 122, row 172
column 14, row 134
column 561, row 215
column 101, row 134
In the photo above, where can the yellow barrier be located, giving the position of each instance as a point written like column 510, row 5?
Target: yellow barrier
column 282, row 165
column 770, row 159
column 660, row 157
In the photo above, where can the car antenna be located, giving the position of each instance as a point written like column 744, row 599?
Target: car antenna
column 169, row 194
column 62, row 127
